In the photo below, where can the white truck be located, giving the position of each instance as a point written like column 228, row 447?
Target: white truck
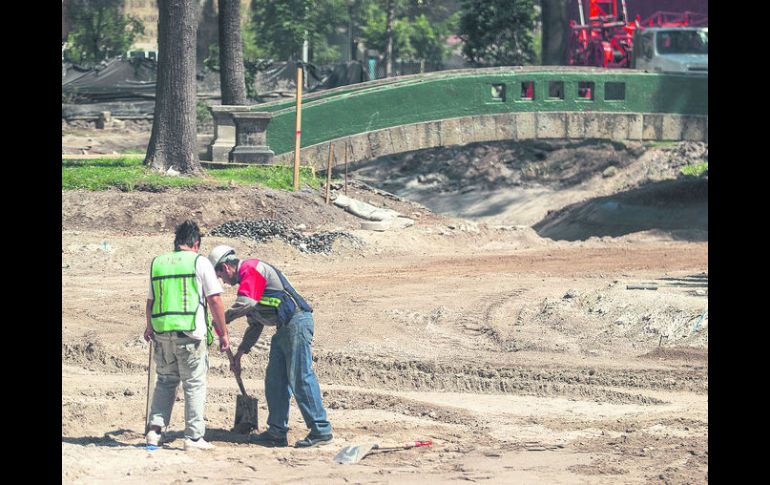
column 672, row 49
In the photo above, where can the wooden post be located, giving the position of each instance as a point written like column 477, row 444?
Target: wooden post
column 329, row 173
column 346, row 169
column 299, row 128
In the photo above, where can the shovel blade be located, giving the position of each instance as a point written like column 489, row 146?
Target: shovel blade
column 353, row 454
column 246, row 410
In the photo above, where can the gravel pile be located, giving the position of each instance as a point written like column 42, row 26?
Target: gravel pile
column 263, row 230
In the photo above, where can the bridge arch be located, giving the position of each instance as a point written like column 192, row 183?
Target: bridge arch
column 445, row 108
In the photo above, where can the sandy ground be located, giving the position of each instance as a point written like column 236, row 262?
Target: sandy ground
column 524, row 359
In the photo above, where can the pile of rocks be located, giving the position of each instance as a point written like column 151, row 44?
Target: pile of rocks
column 263, row 230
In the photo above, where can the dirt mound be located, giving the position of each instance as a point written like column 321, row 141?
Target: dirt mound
column 141, row 211
column 678, row 207
column 687, row 354
column 533, row 182
column 95, row 355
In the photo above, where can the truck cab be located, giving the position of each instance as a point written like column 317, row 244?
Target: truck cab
column 672, row 49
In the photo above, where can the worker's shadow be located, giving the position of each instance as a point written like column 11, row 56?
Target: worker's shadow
column 127, row 438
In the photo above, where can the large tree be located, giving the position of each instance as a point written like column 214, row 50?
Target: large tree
column 555, row 20
column 498, row 32
column 231, row 71
column 173, row 142
column 100, row 30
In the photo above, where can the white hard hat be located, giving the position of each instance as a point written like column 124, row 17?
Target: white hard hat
column 218, row 254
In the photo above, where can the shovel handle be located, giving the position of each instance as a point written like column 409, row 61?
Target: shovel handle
column 237, row 375
column 404, row 446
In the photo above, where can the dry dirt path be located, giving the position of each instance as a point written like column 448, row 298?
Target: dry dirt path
column 524, row 360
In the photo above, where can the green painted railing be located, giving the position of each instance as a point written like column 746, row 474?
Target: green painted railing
column 450, row 94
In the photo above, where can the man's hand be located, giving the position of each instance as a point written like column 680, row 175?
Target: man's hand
column 235, row 363
column 224, row 343
column 148, row 334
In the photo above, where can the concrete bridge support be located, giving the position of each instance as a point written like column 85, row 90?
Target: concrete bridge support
column 251, row 138
column 224, row 132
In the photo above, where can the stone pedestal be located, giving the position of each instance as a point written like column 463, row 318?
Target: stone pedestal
column 224, row 132
column 251, row 138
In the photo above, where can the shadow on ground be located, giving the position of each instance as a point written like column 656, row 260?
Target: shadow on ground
column 678, row 208
column 122, row 437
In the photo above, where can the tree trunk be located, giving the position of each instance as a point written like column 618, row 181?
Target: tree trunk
column 208, row 31
column 555, row 19
column 173, row 142
column 231, row 71
column 389, row 39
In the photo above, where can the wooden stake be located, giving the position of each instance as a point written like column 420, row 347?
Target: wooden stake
column 299, row 128
column 329, row 173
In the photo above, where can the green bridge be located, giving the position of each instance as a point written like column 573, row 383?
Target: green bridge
column 377, row 118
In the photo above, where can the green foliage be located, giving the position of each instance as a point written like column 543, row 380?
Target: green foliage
column 100, row 30
column 696, row 170
column 277, row 28
column 281, row 26
column 128, row 173
column 498, row 32
column 415, row 36
column 202, row 113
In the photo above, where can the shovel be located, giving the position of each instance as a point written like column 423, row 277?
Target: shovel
column 355, row 453
column 246, row 407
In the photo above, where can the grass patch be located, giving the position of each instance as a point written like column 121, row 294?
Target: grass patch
column 661, row 144
column 128, row 173
column 276, row 177
column 696, row 170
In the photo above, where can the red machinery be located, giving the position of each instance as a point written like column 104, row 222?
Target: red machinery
column 606, row 40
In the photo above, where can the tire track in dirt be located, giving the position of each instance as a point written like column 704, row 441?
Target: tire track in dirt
column 486, row 311
column 390, row 373
column 579, row 383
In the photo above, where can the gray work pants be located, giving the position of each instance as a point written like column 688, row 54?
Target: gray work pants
column 180, row 359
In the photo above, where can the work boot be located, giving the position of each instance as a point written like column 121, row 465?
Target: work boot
column 152, row 438
column 267, row 438
column 313, row 440
column 199, row 444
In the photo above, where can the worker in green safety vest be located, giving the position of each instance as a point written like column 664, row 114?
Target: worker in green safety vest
column 183, row 299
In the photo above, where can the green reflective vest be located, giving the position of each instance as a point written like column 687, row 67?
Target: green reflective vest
column 175, row 293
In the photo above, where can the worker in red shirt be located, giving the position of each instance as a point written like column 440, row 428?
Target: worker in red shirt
column 267, row 298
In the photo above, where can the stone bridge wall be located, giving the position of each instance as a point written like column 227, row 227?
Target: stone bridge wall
column 507, row 126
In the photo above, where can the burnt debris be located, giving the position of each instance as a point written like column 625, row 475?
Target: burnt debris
column 263, row 230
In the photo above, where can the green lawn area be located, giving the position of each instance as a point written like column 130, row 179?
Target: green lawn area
column 128, row 172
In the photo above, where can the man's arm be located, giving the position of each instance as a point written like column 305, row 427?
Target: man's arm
column 218, row 315
column 243, row 305
column 250, row 337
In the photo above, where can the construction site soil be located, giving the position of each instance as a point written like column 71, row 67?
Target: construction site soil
column 545, row 320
